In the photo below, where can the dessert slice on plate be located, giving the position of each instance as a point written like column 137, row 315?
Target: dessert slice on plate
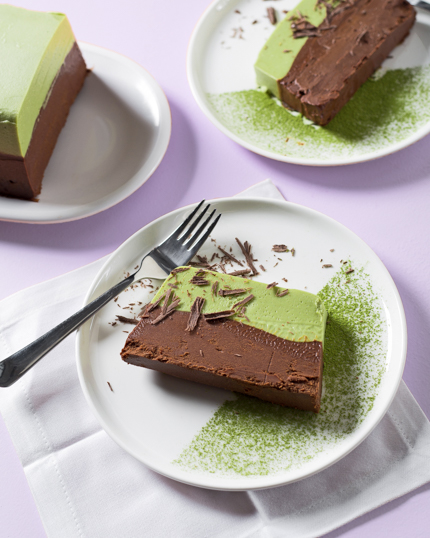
column 42, row 71
column 236, row 334
column 323, row 51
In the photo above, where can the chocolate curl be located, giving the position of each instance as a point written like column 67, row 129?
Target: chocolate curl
column 196, row 309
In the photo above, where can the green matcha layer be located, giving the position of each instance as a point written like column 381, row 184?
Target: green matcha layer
column 297, row 316
column 33, row 48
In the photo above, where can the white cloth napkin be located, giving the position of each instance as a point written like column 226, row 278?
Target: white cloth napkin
column 86, row 486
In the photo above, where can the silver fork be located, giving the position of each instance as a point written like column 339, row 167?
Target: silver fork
column 178, row 249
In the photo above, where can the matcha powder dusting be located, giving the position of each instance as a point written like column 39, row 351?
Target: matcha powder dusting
column 249, row 437
column 385, row 110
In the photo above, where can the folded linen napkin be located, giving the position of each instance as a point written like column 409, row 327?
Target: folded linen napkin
column 87, row 486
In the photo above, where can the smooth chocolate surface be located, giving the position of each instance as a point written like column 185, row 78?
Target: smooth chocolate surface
column 230, row 355
column 331, row 67
column 22, row 177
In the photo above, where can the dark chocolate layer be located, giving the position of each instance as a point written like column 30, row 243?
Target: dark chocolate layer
column 230, row 355
column 21, row 177
column 330, row 68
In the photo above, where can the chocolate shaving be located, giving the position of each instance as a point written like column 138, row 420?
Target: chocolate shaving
column 179, row 270
column 246, row 249
column 303, row 28
column 199, row 281
column 241, row 313
column 349, row 271
column 170, row 309
column 269, row 286
column 271, row 13
column 144, row 312
column 166, row 300
column 215, row 287
column 282, row 293
column 230, row 256
column 280, row 248
column 223, row 293
column 262, row 268
column 196, row 309
column 150, row 307
column 218, row 315
column 332, row 12
column 327, row 265
column 202, row 259
column 123, row 319
column 110, row 386
column 222, row 267
column 241, row 272
column 244, row 301
column 237, row 32
column 200, row 264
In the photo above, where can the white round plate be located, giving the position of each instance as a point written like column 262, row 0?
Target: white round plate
column 114, row 139
column 221, row 55
column 155, row 417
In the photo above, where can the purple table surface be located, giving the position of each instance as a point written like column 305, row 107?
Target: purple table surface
column 385, row 202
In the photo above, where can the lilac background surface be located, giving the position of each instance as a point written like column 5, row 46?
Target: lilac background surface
column 385, row 202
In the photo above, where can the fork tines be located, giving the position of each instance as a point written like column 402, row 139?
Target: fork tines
column 184, row 233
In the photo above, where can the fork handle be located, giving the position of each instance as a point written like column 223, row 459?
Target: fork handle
column 15, row 366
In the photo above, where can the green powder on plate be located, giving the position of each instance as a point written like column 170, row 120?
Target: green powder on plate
column 249, row 437
column 383, row 111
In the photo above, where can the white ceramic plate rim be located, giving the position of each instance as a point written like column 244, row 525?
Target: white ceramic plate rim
column 239, row 484
column 199, row 96
column 156, row 156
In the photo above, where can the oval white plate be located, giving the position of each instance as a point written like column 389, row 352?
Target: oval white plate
column 155, row 416
column 115, row 137
column 220, row 61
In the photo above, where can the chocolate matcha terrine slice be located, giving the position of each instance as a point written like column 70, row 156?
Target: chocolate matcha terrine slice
column 323, row 51
column 42, row 71
column 236, row 334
